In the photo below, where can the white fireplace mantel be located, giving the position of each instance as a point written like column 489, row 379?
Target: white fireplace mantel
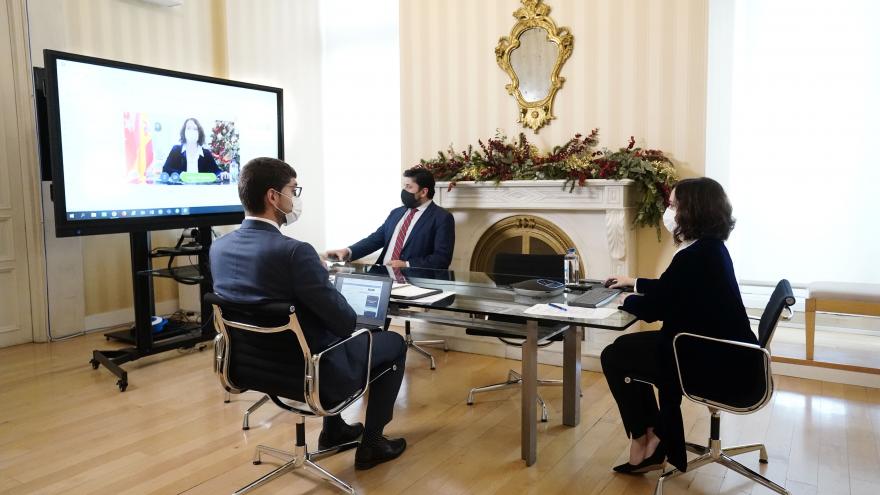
column 597, row 216
column 595, row 194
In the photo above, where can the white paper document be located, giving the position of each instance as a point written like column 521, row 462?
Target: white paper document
column 571, row 312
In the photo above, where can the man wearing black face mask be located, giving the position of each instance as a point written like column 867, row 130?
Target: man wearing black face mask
column 417, row 234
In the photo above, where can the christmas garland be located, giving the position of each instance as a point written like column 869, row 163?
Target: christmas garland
column 577, row 160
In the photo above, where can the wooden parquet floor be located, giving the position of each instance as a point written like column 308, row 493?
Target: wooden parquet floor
column 66, row 429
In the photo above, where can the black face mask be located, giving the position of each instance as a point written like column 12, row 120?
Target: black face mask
column 409, row 199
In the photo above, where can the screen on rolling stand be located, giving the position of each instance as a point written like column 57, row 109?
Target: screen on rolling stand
column 137, row 148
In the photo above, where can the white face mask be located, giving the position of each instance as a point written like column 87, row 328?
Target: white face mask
column 297, row 210
column 294, row 214
column 669, row 220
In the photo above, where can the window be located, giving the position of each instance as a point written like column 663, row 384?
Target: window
column 361, row 116
column 793, row 121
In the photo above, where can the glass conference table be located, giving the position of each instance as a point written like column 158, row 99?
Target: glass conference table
column 478, row 297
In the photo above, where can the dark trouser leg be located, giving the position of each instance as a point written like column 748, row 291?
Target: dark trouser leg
column 389, row 349
column 334, row 424
column 634, row 355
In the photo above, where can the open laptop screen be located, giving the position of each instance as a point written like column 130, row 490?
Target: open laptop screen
column 367, row 295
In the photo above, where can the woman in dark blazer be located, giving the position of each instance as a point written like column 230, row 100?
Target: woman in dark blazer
column 698, row 293
column 192, row 144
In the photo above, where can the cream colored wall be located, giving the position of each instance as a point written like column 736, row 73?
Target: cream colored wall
column 189, row 38
column 279, row 44
column 638, row 68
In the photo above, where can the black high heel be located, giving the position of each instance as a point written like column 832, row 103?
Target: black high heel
column 651, row 463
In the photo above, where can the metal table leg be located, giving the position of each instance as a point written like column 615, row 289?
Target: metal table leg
column 530, row 393
column 571, row 376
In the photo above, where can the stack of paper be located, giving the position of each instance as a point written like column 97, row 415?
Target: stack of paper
column 436, row 297
column 571, row 312
column 412, row 292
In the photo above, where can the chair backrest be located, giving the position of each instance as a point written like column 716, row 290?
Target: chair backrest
column 265, row 350
column 781, row 299
column 510, row 268
column 730, row 375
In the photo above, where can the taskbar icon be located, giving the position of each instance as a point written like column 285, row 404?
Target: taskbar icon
column 110, row 214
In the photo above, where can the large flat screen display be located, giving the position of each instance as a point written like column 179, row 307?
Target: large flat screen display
column 137, row 148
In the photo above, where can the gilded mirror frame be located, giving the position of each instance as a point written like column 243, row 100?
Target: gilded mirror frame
column 534, row 14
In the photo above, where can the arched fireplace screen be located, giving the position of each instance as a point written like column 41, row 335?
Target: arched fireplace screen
column 520, row 234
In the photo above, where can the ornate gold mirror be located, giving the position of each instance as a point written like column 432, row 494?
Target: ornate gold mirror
column 532, row 56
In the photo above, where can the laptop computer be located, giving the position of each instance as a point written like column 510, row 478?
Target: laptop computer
column 368, row 296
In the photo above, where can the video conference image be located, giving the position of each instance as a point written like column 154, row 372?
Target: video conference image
column 158, row 152
column 139, row 144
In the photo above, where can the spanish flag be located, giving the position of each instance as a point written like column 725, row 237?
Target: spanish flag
column 138, row 146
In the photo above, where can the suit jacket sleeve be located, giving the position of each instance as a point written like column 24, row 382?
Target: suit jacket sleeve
column 647, row 285
column 657, row 295
column 371, row 243
column 444, row 242
column 311, row 287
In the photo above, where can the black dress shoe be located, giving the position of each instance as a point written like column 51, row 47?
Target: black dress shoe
column 652, row 463
column 339, row 436
column 374, row 453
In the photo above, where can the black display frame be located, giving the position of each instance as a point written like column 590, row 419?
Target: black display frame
column 65, row 227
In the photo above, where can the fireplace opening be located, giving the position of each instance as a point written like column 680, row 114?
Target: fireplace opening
column 519, row 234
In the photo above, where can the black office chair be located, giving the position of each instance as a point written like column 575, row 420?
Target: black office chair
column 508, row 269
column 416, row 345
column 219, row 352
column 731, row 376
column 265, row 350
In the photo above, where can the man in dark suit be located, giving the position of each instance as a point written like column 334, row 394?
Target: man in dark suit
column 418, row 234
column 257, row 263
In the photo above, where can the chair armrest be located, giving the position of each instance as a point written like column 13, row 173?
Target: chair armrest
column 728, row 374
column 314, row 373
column 714, row 339
column 346, row 340
column 787, row 317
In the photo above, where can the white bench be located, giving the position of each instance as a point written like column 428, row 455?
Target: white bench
column 837, row 297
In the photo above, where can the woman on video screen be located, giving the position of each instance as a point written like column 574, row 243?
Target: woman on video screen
column 191, row 155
